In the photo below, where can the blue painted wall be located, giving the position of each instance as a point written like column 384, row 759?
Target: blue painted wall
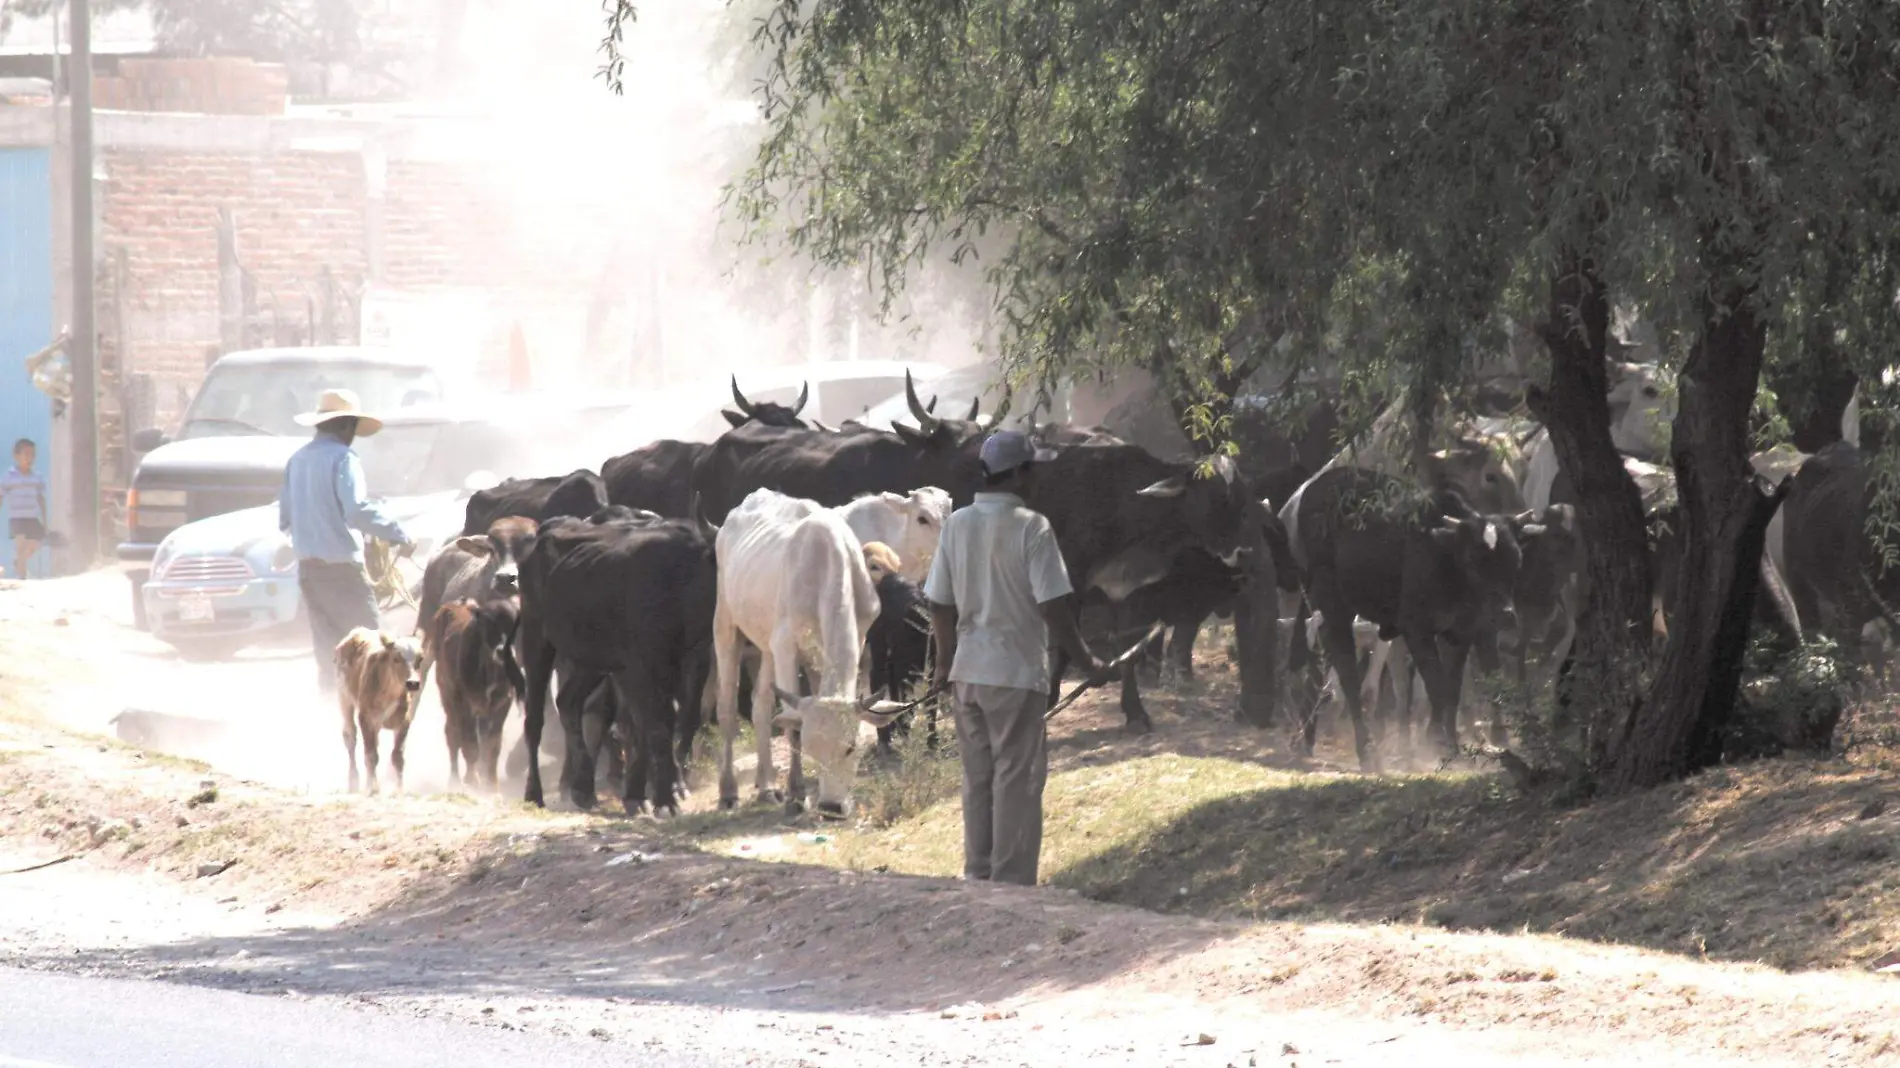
column 26, row 308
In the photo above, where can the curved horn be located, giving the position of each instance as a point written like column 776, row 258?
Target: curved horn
column 804, row 394
column 976, row 403
column 739, row 399
column 925, row 421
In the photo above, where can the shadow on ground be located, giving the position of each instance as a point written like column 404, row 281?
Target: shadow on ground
column 564, row 915
column 1770, row 862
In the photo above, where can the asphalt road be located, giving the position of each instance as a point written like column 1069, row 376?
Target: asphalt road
column 55, row 1021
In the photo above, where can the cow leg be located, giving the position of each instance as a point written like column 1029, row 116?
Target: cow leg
column 349, row 733
column 764, row 705
column 366, row 722
column 1336, row 635
column 1181, row 647
column 1134, row 716
column 487, row 746
column 726, row 656
column 571, row 704
column 1372, row 684
column 540, row 665
column 655, row 720
column 398, row 743
column 1399, row 668
column 1443, row 676
column 452, row 731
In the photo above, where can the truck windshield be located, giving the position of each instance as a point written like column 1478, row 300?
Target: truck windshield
column 407, row 459
column 264, row 399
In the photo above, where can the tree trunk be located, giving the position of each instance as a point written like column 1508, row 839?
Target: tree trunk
column 1612, row 644
column 1724, row 513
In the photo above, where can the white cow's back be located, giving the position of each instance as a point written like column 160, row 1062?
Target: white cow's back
column 784, row 561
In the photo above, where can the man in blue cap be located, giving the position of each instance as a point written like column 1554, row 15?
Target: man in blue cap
column 998, row 591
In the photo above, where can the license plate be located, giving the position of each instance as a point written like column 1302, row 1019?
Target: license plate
column 196, row 608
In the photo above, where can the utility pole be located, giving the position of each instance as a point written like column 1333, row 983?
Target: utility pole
column 83, row 349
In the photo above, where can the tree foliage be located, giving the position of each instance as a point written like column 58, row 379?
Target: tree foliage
column 1193, row 186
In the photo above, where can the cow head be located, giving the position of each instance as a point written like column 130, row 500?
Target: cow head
column 1484, row 556
column 948, row 448
column 881, row 560
column 1552, row 549
column 766, row 413
column 922, row 513
column 505, row 545
column 1479, row 474
column 831, row 732
column 403, row 657
column 1214, row 506
column 1642, row 405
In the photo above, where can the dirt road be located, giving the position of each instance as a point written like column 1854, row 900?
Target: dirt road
column 479, row 914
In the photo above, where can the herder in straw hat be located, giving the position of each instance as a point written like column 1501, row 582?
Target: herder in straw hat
column 323, row 508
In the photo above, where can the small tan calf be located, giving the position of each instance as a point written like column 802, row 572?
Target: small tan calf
column 378, row 684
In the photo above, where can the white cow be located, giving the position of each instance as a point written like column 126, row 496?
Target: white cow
column 793, row 581
column 910, row 524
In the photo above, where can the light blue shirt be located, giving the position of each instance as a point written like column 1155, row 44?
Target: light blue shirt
column 23, row 492
column 323, row 508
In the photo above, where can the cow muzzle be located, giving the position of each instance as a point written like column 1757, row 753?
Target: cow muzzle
column 412, row 685
column 507, row 580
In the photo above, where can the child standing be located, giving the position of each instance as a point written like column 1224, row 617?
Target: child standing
column 24, row 494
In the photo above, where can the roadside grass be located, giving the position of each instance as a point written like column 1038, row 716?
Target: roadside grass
column 1782, row 862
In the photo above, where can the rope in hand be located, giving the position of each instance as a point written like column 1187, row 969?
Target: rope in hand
column 385, row 580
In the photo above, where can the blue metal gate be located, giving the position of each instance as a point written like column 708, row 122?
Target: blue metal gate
column 26, row 307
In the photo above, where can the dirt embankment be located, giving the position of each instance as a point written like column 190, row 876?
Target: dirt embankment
column 480, row 909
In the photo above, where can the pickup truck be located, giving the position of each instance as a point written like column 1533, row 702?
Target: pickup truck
column 229, row 450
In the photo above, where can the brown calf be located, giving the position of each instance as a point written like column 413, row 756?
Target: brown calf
column 476, row 674
column 377, row 682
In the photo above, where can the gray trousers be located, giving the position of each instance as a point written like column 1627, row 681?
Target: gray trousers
column 1005, row 763
column 337, row 598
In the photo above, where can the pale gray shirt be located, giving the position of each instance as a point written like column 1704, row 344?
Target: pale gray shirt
column 998, row 564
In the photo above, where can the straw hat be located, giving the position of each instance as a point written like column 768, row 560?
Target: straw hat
column 337, row 404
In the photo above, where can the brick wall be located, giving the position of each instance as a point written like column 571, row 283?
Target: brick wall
column 212, row 86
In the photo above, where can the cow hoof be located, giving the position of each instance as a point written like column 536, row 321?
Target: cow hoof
column 1138, row 726
column 794, row 807
column 727, row 804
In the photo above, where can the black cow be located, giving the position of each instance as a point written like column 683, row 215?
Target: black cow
column 659, row 477
column 898, row 647
column 834, row 468
column 1834, row 568
column 580, row 493
column 1122, row 519
column 630, row 602
column 1431, row 570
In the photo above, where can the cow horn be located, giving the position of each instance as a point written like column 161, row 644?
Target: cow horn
column 976, row 403
column 925, row 421
column 804, row 394
column 739, row 399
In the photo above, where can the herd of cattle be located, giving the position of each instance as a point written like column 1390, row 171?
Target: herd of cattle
column 786, row 558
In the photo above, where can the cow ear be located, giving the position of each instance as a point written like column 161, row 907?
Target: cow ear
column 1446, row 537
column 1532, row 531
column 909, row 433
column 389, row 640
column 473, row 544
column 1172, row 486
column 733, row 417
